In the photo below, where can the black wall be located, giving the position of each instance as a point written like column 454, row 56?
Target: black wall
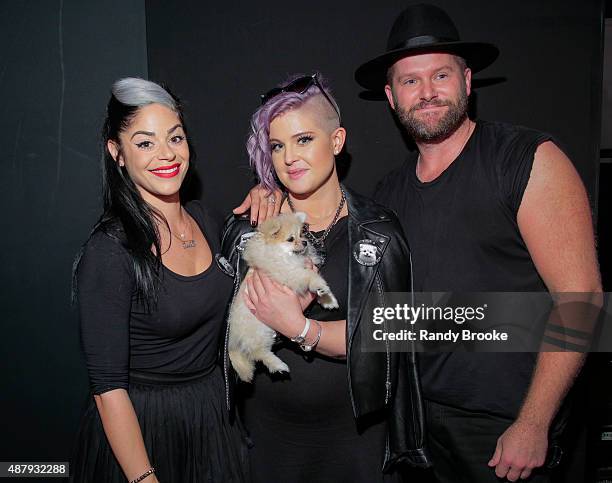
column 58, row 59
column 221, row 56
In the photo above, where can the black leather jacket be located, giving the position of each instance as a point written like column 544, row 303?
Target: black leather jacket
column 377, row 380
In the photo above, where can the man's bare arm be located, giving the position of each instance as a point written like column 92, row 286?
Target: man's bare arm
column 555, row 221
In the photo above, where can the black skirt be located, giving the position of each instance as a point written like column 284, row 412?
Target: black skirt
column 185, row 427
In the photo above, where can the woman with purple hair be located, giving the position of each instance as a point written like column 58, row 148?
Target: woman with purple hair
column 342, row 414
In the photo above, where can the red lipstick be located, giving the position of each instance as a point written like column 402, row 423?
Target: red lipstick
column 166, row 171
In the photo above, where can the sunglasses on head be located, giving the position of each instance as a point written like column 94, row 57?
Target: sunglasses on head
column 299, row 86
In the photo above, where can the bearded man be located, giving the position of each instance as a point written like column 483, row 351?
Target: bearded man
column 486, row 207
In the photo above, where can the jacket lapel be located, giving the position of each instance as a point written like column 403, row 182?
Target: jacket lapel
column 361, row 223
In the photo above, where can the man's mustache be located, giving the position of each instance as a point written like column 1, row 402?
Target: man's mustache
column 425, row 104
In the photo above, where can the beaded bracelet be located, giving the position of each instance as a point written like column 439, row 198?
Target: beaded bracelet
column 150, row 471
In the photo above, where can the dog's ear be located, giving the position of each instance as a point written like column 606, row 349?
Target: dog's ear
column 275, row 228
column 271, row 227
column 300, row 216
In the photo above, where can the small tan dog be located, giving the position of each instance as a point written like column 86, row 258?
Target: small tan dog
column 278, row 249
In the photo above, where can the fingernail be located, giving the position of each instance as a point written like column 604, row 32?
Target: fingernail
column 253, row 223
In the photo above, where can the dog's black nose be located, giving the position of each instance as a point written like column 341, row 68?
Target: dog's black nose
column 304, row 242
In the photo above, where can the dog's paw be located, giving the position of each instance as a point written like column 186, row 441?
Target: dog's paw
column 327, row 300
column 273, row 363
column 244, row 367
column 280, row 367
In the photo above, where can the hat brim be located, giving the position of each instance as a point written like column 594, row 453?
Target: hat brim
column 373, row 74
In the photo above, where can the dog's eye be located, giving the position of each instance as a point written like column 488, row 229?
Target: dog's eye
column 290, row 239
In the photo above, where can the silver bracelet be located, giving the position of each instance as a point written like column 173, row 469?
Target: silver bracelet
column 150, row 471
column 308, row 347
column 299, row 339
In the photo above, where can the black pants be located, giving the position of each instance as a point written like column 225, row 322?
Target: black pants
column 461, row 443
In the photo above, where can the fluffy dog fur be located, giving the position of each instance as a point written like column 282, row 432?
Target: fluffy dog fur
column 278, row 249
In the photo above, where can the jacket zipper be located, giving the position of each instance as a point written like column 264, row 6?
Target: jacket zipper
column 388, row 376
column 227, row 328
column 388, row 354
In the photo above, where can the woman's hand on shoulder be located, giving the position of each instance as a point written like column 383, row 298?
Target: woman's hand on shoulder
column 263, row 204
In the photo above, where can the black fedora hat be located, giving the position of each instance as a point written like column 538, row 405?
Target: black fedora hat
column 420, row 29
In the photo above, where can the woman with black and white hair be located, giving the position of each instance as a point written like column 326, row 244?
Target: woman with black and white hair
column 151, row 303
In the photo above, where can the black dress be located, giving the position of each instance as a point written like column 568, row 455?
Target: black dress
column 167, row 360
column 302, row 425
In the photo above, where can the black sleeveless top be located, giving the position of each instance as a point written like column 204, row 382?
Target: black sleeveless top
column 464, row 237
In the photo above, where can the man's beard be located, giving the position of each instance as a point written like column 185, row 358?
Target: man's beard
column 450, row 121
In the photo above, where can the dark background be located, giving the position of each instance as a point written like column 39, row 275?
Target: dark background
column 221, row 57
column 58, row 59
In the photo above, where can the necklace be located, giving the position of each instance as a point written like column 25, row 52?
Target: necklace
column 185, row 242
column 318, row 242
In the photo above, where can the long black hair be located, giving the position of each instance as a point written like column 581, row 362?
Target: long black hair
column 126, row 217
